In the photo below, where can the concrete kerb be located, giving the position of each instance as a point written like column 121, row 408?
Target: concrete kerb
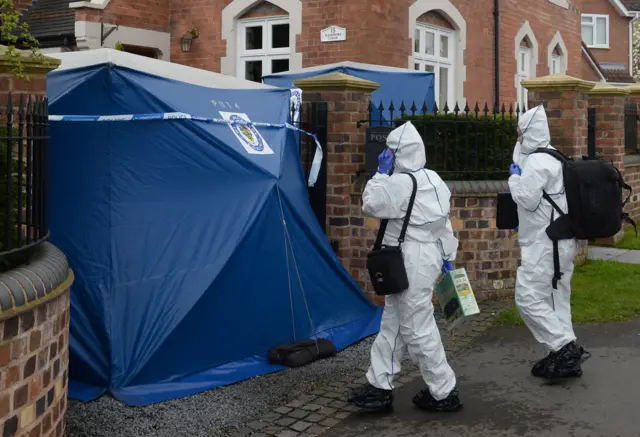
column 324, row 407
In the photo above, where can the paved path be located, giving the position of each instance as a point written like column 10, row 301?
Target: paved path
column 502, row 399
column 611, row 254
column 323, row 408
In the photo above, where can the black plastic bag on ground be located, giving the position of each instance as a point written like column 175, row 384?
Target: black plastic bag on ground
column 302, row 352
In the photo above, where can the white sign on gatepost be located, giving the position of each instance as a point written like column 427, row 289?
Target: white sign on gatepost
column 333, row 34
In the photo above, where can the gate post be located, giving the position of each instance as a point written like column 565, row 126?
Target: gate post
column 609, row 103
column 565, row 101
column 347, row 98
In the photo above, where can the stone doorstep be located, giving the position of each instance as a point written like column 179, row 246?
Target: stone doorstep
column 323, row 408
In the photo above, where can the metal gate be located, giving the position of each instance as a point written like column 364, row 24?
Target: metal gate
column 591, row 133
column 313, row 119
column 631, row 127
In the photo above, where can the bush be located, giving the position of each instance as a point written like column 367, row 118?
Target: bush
column 466, row 148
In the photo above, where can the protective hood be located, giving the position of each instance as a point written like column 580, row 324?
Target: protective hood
column 535, row 134
column 406, row 143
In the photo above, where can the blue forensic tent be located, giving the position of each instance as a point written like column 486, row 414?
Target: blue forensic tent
column 397, row 85
column 194, row 245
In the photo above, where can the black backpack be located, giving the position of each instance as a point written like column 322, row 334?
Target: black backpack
column 594, row 197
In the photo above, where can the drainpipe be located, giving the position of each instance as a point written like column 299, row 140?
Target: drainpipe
column 496, row 44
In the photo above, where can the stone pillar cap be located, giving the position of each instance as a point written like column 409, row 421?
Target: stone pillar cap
column 558, row 82
column 634, row 89
column 604, row 89
column 32, row 65
column 336, row 82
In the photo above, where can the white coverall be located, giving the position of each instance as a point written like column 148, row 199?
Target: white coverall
column 408, row 320
column 546, row 312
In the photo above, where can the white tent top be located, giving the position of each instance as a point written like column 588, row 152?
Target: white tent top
column 152, row 66
column 349, row 64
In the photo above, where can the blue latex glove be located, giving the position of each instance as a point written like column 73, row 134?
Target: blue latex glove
column 515, row 169
column 447, row 267
column 516, row 229
column 385, row 161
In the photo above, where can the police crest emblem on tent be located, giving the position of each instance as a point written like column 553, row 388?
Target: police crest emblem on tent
column 248, row 135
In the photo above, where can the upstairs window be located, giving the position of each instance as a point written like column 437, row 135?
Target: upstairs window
column 595, row 31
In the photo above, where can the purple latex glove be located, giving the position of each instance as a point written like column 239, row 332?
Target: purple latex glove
column 515, row 169
column 385, row 161
column 447, row 267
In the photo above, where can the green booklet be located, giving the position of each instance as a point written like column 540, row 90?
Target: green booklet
column 456, row 297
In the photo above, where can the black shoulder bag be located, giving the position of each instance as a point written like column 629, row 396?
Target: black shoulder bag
column 386, row 263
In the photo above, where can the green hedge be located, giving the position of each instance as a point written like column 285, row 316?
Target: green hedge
column 9, row 261
column 463, row 148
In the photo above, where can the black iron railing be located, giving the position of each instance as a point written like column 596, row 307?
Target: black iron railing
column 463, row 144
column 24, row 143
column 591, row 132
column 631, row 127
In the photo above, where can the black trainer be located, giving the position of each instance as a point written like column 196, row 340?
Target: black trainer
column 426, row 402
column 371, row 398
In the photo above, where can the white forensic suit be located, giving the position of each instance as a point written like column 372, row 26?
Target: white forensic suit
column 408, row 321
column 546, row 312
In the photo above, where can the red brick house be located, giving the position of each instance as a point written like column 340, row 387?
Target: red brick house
column 479, row 50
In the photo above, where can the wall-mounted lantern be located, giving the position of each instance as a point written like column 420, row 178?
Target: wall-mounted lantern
column 187, row 39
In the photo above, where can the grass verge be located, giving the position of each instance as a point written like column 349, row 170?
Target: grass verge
column 629, row 242
column 602, row 291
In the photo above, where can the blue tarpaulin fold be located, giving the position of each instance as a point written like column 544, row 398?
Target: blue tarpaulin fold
column 397, row 85
column 194, row 245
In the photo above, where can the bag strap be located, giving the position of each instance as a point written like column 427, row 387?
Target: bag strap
column 383, row 224
column 555, row 206
column 407, row 218
column 553, row 152
column 624, row 186
column 557, row 274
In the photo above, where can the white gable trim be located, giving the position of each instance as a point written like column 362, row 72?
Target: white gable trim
column 620, row 7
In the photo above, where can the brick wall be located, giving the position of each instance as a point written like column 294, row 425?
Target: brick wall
column 206, row 15
column 588, row 71
column 632, row 177
column 34, row 358
column 144, row 14
column 618, row 51
column 545, row 19
column 377, row 32
column 490, row 256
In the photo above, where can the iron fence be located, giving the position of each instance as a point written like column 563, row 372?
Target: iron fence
column 24, row 143
column 631, row 127
column 460, row 144
column 591, row 133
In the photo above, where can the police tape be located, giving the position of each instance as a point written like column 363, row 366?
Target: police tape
column 317, row 158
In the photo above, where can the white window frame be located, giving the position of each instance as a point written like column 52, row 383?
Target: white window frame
column 266, row 54
column 594, row 18
column 422, row 59
column 524, row 61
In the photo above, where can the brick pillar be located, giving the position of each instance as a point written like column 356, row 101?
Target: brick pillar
column 634, row 97
column 35, row 85
column 609, row 102
column 565, row 100
column 348, row 100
